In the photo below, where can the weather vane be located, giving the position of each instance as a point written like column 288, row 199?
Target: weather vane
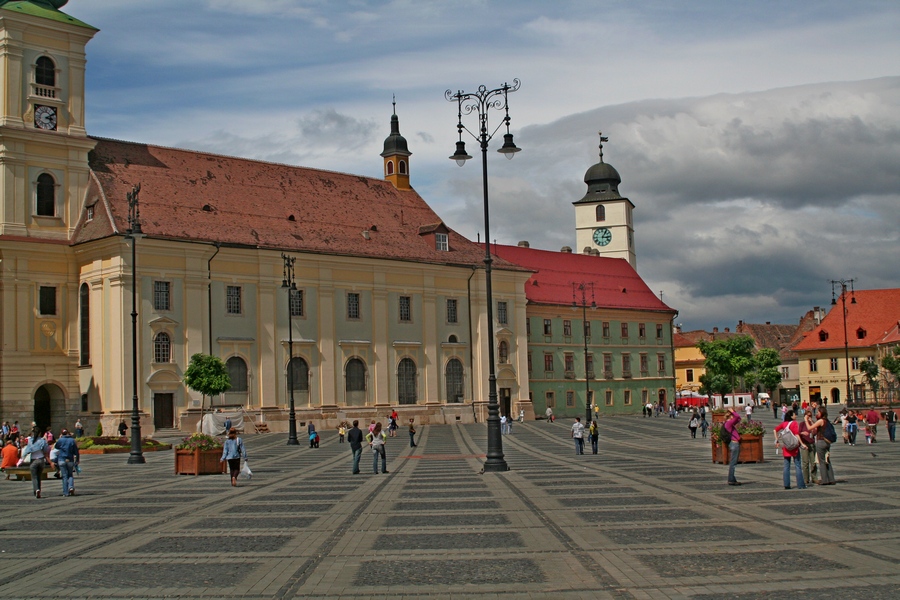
column 603, row 138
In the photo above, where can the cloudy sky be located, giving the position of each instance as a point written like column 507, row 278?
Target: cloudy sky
column 759, row 141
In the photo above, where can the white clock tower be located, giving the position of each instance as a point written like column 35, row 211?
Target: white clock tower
column 603, row 220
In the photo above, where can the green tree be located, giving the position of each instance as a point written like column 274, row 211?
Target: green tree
column 765, row 369
column 891, row 364
column 713, row 384
column 207, row 374
column 729, row 360
column 870, row 373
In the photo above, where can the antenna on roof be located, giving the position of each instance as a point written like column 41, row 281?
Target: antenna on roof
column 603, row 138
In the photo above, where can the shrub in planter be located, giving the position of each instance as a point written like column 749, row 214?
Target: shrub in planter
column 199, row 454
column 99, row 431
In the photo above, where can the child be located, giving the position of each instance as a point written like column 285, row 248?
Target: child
column 341, row 431
column 703, row 424
column 868, row 434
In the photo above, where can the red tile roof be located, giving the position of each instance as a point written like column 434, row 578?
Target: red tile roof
column 870, row 321
column 195, row 196
column 616, row 283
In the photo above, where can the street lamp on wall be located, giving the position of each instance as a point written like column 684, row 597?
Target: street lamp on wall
column 479, row 103
column 134, row 232
column 583, row 288
column 288, row 283
column 843, row 283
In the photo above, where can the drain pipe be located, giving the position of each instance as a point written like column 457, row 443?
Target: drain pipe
column 209, row 315
column 471, row 346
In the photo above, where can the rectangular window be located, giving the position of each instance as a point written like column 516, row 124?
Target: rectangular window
column 627, row 394
column 834, row 364
column 645, row 365
column 502, row 314
column 161, row 295
column 642, row 331
column 405, row 309
column 548, row 362
column 590, row 365
column 659, row 332
column 624, row 330
column 548, row 327
column 854, row 363
column 352, row 305
column 661, row 363
column 785, row 372
column 89, row 215
column 567, row 328
column 689, row 375
column 587, row 331
column 441, row 242
column 528, row 327
column 296, row 301
column 609, row 398
column 570, row 361
column 452, row 313
column 607, row 365
column 550, row 399
column 626, row 365
column 47, row 300
column 233, row 299
column 813, row 365
column 645, row 396
column 606, row 329
column 570, row 399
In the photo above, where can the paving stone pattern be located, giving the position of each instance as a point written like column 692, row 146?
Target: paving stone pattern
column 649, row 517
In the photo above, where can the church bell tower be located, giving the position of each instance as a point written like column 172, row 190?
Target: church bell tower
column 396, row 155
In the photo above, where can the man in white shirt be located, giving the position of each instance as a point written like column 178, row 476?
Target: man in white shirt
column 748, row 410
column 578, row 435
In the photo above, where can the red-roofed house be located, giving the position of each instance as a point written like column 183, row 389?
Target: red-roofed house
column 389, row 308
column 628, row 329
column 827, row 351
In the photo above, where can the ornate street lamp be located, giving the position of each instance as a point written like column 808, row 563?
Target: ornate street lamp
column 288, row 283
column 844, row 283
column 136, row 457
column 583, row 288
column 479, row 103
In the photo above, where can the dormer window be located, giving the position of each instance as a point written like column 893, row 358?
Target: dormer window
column 89, row 213
column 442, row 242
column 860, row 334
column 823, row 335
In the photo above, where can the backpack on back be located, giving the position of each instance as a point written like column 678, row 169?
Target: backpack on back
column 829, row 433
column 788, row 440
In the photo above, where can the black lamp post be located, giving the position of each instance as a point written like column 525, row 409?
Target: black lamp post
column 583, row 288
column 844, row 283
column 136, row 457
column 288, row 283
column 479, row 103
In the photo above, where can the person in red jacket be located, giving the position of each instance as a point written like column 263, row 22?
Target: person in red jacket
column 872, row 418
column 791, row 425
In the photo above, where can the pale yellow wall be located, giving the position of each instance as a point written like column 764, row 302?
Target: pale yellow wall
column 618, row 221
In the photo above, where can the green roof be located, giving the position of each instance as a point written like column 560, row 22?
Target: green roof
column 44, row 9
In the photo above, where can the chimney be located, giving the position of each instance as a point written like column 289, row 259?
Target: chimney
column 566, row 250
column 524, row 244
column 768, row 322
column 727, row 330
column 715, row 330
column 587, row 250
column 740, row 326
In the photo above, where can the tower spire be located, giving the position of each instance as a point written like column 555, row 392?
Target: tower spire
column 603, row 138
column 396, row 153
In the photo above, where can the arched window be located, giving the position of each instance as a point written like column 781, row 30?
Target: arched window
column 45, row 72
column 299, row 374
column 46, row 195
column 403, row 167
column 452, row 339
column 162, row 348
column 356, row 375
column 661, row 394
column 503, row 352
column 84, row 306
column 237, row 373
column 453, row 376
column 406, row 382
column 389, row 167
column 601, row 212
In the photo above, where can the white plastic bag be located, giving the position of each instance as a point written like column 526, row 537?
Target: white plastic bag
column 245, row 470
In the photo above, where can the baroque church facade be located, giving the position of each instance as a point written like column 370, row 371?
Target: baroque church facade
column 387, row 307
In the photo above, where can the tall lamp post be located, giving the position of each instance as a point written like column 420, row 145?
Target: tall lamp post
column 136, row 457
column 479, row 103
column 844, row 283
column 288, row 283
column 583, row 288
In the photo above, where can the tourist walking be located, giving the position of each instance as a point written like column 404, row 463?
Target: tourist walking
column 123, row 428
column 67, row 458
column 549, row 414
column 377, row 439
column 578, row 435
column 852, row 427
column 594, row 433
column 355, row 439
column 342, row 431
column 233, row 451
column 890, row 417
column 704, row 424
column 872, row 418
column 693, row 425
column 39, row 453
column 734, row 446
column 412, row 433
column 822, row 429
column 787, row 437
column 79, row 429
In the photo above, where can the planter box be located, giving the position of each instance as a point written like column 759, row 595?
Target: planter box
column 719, row 417
column 199, row 462
column 124, row 450
column 751, row 450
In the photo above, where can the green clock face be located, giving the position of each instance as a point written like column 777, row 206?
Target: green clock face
column 602, row 236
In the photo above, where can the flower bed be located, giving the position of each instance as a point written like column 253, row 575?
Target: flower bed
column 116, row 445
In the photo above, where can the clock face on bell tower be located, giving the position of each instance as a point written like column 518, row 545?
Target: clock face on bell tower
column 602, row 236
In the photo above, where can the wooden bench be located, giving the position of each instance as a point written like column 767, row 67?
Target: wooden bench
column 24, row 473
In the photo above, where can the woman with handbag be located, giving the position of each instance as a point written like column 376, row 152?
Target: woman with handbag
column 39, row 452
column 233, row 451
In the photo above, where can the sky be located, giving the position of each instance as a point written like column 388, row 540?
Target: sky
column 759, row 141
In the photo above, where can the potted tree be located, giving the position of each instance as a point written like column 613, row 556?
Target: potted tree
column 208, row 375
column 199, row 454
column 752, row 433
